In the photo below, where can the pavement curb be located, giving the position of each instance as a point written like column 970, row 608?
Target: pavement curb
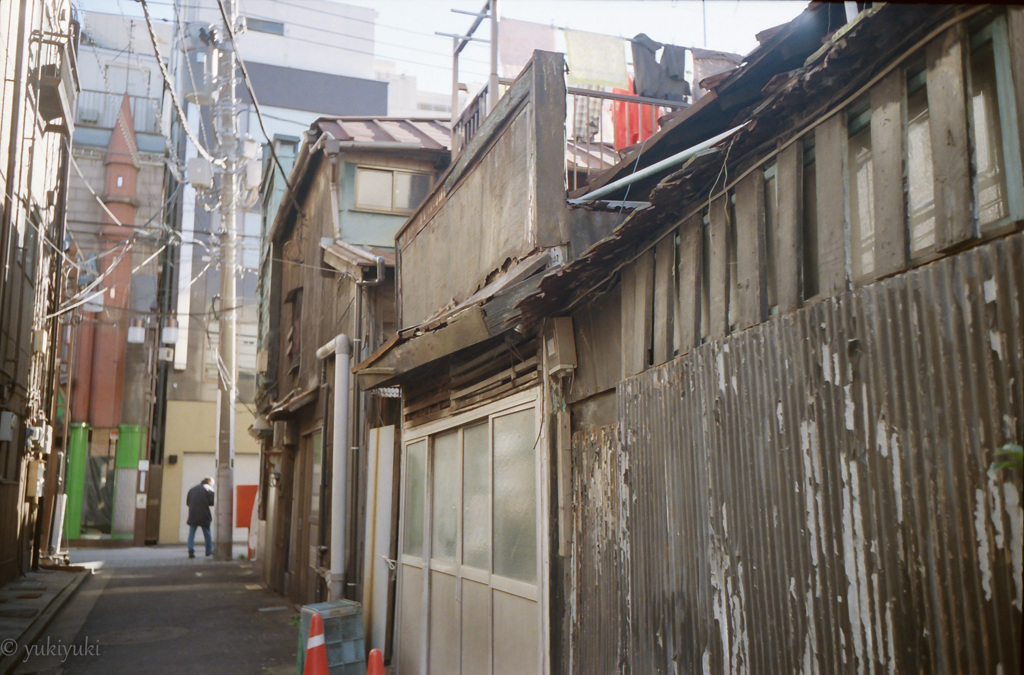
column 30, row 634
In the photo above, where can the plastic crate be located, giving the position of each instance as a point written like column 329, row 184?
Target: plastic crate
column 343, row 636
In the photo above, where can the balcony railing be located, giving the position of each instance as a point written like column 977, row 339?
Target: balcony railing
column 598, row 126
column 100, row 108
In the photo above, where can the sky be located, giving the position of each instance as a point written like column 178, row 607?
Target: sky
column 405, row 31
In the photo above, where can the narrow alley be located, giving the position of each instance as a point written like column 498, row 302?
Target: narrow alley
column 152, row 610
column 525, row 338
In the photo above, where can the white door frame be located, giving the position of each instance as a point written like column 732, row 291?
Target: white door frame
column 526, row 400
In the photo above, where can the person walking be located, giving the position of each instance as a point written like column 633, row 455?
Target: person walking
column 199, row 500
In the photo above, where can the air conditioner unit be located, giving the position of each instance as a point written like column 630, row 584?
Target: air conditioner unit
column 343, row 636
column 88, row 115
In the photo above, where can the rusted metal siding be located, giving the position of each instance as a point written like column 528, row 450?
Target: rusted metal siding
column 813, row 494
column 599, row 572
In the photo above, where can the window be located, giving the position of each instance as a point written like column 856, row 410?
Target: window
column 993, row 130
column 809, row 233
column 860, row 189
column 731, row 262
column 390, row 191
column 920, row 180
column 264, row 26
column 771, row 228
column 705, row 277
column 413, row 502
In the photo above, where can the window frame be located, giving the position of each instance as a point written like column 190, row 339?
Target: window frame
column 537, row 591
column 996, row 32
column 364, row 208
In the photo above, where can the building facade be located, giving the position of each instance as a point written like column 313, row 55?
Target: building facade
column 745, row 420
column 39, row 91
column 327, row 300
column 788, row 400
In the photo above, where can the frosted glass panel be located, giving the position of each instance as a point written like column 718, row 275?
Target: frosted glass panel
column 771, row 228
column 373, row 189
column 515, row 495
column 415, row 475
column 476, row 498
column 862, row 198
column 445, row 512
column 410, row 189
column 920, row 180
column 987, row 137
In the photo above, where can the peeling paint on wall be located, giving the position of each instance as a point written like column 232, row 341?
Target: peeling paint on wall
column 817, row 496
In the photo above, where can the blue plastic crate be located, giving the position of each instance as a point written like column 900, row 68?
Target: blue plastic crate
column 343, row 636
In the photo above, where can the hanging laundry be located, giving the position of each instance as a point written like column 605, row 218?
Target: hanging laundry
column 595, row 59
column 707, row 63
column 664, row 79
column 517, row 41
column 586, row 114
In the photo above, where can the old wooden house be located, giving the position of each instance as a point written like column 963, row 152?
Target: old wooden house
column 326, row 298
column 732, row 405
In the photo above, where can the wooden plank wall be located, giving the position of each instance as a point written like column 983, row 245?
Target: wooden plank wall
column 951, row 155
column 661, row 290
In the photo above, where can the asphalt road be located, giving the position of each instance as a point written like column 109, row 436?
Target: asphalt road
column 169, row 615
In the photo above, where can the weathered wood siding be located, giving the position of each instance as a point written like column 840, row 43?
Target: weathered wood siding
column 815, row 494
column 811, row 491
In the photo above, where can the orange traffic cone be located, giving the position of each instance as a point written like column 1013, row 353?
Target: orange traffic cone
column 375, row 664
column 316, row 650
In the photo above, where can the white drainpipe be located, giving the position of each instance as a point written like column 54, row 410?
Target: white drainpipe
column 341, row 348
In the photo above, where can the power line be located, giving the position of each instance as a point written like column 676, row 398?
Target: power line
column 252, row 94
column 174, row 97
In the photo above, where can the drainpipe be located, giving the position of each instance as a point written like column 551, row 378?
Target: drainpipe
column 341, row 348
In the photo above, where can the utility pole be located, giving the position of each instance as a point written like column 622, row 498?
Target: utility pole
column 226, row 121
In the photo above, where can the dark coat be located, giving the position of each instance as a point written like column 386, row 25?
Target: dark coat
column 199, row 500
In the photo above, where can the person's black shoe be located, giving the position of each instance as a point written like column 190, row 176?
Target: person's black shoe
column 191, row 554
column 209, row 555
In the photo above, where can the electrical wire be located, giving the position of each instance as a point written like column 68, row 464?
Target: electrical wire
column 252, row 94
column 174, row 97
column 67, row 308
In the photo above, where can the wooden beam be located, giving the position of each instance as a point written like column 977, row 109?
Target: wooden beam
column 664, row 298
column 637, row 309
column 887, row 175
column 750, row 251
column 719, row 261
column 829, row 148
column 789, row 186
column 947, row 115
column 691, row 239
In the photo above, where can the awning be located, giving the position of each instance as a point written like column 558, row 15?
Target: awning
column 295, row 400
column 487, row 313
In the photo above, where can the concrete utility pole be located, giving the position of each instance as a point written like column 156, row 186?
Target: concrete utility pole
column 226, row 121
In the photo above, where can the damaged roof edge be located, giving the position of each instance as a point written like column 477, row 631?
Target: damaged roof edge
column 559, row 287
column 717, row 108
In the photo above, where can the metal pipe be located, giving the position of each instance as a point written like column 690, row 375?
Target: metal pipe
column 380, row 274
column 677, row 158
column 341, row 347
column 492, row 80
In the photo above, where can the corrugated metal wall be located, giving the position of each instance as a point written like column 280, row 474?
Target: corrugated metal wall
column 814, row 494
